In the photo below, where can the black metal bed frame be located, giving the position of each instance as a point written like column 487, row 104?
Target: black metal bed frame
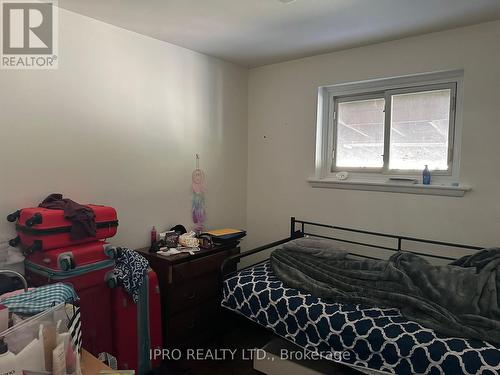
column 294, row 233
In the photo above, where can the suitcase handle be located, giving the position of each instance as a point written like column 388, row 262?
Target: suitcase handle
column 13, row 216
column 15, row 241
column 35, row 219
column 36, row 246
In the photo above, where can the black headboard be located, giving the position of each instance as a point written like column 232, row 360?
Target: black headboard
column 399, row 241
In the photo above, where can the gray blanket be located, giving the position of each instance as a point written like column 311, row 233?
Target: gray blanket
column 460, row 299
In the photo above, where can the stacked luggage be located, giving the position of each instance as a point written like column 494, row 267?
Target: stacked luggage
column 42, row 229
column 53, row 255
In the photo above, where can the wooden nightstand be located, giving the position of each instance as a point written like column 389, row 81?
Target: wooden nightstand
column 190, row 289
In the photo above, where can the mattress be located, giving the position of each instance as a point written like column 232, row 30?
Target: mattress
column 374, row 338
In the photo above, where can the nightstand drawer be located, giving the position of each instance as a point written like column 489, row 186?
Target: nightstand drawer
column 198, row 267
column 184, row 326
column 193, row 292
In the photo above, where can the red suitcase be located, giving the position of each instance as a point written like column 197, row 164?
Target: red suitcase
column 87, row 267
column 137, row 327
column 82, row 265
column 45, row 229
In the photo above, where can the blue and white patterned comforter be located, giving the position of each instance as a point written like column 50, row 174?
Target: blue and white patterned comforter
column 377, row 339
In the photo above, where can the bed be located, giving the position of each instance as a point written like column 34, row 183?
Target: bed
column 371, row 339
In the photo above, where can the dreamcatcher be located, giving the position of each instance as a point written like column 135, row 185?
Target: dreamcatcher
column 198, row 208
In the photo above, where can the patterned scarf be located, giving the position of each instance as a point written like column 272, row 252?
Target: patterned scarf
column 130, row 270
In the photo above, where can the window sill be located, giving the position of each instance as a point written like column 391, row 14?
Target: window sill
column 443, row 190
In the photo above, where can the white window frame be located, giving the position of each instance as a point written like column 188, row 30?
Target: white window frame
column 329, row 96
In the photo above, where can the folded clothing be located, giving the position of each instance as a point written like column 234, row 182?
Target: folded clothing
column 13, row 293
column 82, row 218
column 37, row 300
column 131, row 267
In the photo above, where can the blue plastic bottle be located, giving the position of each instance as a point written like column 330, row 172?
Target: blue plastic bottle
column 426, row 176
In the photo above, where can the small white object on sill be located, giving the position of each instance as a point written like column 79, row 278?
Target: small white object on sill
column 342, row 176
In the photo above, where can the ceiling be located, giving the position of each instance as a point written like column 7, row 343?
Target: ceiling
column 259, row 32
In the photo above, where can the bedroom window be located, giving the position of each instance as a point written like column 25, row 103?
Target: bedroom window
column 383, row 130
column 397, row 130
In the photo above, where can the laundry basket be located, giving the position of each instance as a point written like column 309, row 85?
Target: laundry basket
column 58, row 328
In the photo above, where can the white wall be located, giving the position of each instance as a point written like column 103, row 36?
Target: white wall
column 281, row 144
column 119, row 124
column 121, row 119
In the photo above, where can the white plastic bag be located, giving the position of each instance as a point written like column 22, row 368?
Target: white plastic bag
column 11, row 258
column 4, row 251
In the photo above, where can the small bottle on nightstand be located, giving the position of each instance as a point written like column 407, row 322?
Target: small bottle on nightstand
column 153, row 236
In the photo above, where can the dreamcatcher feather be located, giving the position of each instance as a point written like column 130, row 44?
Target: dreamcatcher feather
column 198, row 206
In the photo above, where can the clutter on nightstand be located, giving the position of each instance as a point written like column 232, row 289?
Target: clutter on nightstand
column 177, row 240
column 187, row 243
column 223, row 236
column 168, row 239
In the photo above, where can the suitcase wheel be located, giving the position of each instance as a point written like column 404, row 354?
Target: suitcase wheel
column 13, row 216
column 35, row 219
column 15, row 241
column 112, row 283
